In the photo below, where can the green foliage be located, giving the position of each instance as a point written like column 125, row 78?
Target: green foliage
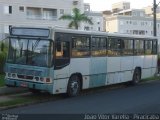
column 2, row 83
column 76, row 18
column 3, row 55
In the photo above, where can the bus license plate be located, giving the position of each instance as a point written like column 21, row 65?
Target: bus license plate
column 24, row 85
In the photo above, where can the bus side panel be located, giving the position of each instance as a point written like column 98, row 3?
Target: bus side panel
column 113, row 70
column 154, row 64
column 126, row 68
column 61, row 77
column 82, row 66
column 98, row 71
column 138, row 61
column 147, row 66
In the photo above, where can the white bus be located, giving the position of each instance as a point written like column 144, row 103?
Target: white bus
column 67, row 61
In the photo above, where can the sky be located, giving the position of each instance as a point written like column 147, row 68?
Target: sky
column 100, row 5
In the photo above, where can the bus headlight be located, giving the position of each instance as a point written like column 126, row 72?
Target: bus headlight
column 42, row 79
column 37, row 78
column 14, row 75
column 9, row 75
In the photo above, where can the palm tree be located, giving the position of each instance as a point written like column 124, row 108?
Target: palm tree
column 76, row 18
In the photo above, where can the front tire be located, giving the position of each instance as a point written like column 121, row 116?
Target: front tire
column 136, row 77
column 73, row 88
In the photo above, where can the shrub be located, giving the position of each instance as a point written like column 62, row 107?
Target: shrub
column 3, row 55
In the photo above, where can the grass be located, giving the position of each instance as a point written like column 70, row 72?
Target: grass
column 25, row 100
column 2, row 82
column 16, row 101
column 151, row 78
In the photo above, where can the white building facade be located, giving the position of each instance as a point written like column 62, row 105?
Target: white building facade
column 131, row 21
column 37, row 13
column 96, row 17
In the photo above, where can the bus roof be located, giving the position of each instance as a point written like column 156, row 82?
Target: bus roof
column 98, row 33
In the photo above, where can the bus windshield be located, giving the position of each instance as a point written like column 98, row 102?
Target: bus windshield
column 34, row 52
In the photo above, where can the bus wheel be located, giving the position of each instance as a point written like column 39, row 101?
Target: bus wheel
column 73, row 88
column 136, row 77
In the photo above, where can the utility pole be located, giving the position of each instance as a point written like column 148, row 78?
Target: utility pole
column 154, row 18
column 155, row 5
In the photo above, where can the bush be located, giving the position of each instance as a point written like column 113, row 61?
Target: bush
column 3, row 55
column 2, row 61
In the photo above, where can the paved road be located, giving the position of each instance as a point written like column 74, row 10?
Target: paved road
column 144, row 98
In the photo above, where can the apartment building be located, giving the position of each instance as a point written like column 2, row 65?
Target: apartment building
column 133, row 21
column 37, row 13
column 120, row 6
column 96, row 17
column 149, row 11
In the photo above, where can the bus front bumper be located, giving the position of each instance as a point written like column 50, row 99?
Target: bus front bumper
column 29, row 84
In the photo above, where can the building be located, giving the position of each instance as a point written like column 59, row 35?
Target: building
column 149, row 11
column 120, row 6
column 96, row 17
column 131, row 21
column 37, row 13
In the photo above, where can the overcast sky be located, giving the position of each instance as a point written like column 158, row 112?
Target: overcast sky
column 100, row 5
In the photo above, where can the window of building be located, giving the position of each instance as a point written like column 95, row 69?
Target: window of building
column 99, row 28
column 138, row 47
column 134, row 14
column 99, row 46
column 75, row 2
column 80, row 46
column 135, row 32
column 158, row 26
column 141, row 32
column 130, row 22
column 141, row 14
column 127, row 22
column 61, row 11
column 8, row 9
column 86, row 28
column 121, row 23
column 135, row 23
column 21, row 9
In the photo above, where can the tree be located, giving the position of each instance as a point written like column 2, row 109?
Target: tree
column 76, row 18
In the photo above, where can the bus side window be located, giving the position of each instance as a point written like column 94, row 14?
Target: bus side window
column 62, row 54
column 154, row 48
column 138, row 47
column 62, row 50
column 122, row 44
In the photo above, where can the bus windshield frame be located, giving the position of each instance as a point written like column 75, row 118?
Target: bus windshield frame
column 30, row 51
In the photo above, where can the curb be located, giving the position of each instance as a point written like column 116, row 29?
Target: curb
column 11, row 90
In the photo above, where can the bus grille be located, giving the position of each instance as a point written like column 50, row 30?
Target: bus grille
column 25, row 77
column 25, row 72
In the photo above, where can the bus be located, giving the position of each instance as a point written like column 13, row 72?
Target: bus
column 58, row 60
